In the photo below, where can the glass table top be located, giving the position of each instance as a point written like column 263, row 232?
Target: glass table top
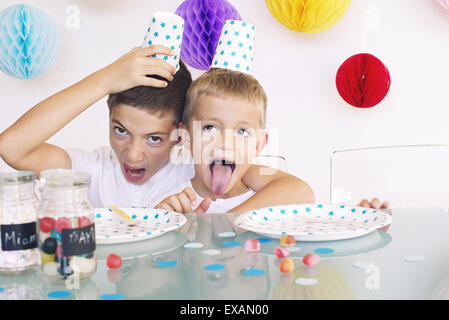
column 205, row 260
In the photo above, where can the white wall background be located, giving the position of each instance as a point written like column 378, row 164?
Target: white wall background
column 297, row 71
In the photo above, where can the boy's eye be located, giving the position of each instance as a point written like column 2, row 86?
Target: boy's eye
column 120, row 131
column 210, row 129
column 243, row 132
column 154, row 140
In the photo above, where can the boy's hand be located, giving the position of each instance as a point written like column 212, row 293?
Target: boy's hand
column 182, row 202
column 374, row 204
column 132, row 68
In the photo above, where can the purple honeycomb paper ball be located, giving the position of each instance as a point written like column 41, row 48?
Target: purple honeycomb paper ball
column 204, row 20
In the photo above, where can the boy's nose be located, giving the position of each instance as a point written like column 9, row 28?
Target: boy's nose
column 135, row 153
column 228, row 140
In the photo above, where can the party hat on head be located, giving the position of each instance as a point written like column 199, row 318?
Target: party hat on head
column 235, row 50
column 166, row 29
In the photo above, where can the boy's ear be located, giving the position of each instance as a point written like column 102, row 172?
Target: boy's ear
column 262, row 142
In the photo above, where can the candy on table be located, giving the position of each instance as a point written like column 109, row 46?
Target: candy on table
column 252, row 245
column 63, row 223
column 287, row 240
column 311, row 259
column 64, row 268
column 56, row 235
column 51, row 269
column 49, row 246
column 281, row 252
column 47, row 258
column 59, row 251
column 47, row 224
column 287, row 265
column 82, row 265
column 83, row 222
column 114, row 261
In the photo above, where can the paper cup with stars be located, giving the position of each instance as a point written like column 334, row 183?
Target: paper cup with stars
column 166, row 29
column 235, row 50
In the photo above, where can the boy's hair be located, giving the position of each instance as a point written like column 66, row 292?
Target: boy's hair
column 162, row 101
column 225, row 83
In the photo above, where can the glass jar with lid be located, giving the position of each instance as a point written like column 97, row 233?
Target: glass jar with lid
column 18, row 228
column 66, row 226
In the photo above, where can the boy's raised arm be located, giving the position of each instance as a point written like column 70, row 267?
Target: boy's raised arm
column 276, row 188
column 23, row 146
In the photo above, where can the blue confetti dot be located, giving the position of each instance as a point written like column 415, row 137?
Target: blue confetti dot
column 1, row 289
column 114, row 296
column 59, row 294
column 254, row 272
column 214, row 267
column 324, row 250
column 165, row 264
column 230, row 244
column 261, row 240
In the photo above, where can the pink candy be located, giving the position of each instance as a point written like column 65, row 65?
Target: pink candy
column 251, row 245
column 311, row 259
column 281, row 252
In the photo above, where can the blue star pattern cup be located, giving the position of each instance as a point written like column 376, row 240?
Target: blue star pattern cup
column 166, row 29
column 235, row 50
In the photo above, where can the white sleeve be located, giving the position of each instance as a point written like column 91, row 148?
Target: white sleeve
column 84, row 161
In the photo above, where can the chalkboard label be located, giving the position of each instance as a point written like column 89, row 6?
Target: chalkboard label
column 18, row 236
column 78, row 241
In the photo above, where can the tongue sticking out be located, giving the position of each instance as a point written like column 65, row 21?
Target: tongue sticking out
column 221, row 175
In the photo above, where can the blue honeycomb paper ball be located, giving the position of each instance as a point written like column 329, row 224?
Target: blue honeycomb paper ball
column 29, row 42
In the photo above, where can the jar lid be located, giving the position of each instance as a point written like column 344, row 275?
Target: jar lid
column 64, row 178
column 16, row 177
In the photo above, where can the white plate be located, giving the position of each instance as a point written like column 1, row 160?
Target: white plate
column 111, row 228
column 313, row 222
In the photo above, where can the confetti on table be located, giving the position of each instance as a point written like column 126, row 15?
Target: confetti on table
column 262, row 240
column 324, row 250
column 214, row 267
column 230, row 244
column 228, row 234
column 306, row 281
column 254, row 272
column 59, row 294
column 414, row 258
column 113, row 296
column 211, row 252
column 166, row 264
column 1, row 289
column 193, row 245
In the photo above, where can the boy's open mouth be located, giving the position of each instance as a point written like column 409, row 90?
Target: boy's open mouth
column 221, row 172
column 134, row 174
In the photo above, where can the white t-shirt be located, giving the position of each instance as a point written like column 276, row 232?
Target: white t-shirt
column 109, row 186
column 217, row 206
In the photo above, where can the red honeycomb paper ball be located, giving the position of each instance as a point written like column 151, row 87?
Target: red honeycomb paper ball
column 363, row 80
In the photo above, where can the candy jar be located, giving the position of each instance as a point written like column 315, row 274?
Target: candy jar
column 66, row 226
column 18, row 231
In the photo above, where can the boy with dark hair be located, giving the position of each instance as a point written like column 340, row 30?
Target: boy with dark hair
column 144, row 112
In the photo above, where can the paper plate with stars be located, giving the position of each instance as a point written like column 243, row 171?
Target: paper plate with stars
column 112, row 228
column 313, row 222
